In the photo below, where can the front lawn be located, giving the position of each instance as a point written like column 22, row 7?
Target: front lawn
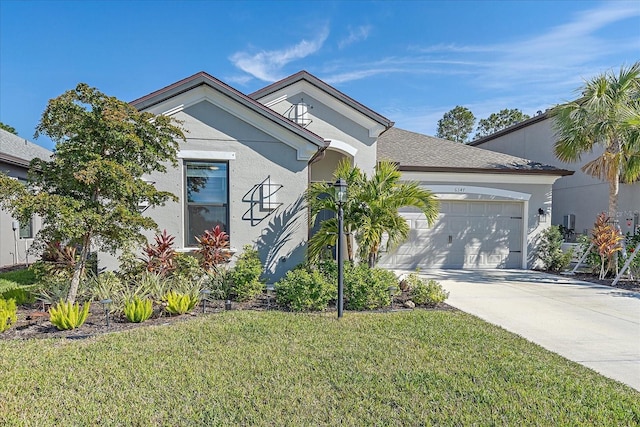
column 276, row 368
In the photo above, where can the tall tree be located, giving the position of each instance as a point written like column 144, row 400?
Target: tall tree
column 607, row 115
column 90, row 191
column 371, row 211
column 8, row 128
column 456, row 124
column 498, row 121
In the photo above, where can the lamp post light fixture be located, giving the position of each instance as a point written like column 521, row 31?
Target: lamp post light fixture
column 340, row 198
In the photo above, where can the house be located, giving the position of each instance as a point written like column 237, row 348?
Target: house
column 16, row 238
column 249, row 158
column 578, row 198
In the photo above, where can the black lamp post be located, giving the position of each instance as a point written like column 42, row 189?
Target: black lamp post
column 341, row 198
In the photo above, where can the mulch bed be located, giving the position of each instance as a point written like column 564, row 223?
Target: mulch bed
column 33, row 321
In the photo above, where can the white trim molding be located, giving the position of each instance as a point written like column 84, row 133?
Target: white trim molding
column 206, row 155
column 343, row 147
column 461, row 190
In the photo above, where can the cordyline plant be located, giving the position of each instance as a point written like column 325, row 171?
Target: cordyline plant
column 160, row 255
column 606, row 238
column 89, row 192
column 213, row 248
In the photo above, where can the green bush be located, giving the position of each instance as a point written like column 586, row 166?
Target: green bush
column 67, row 316
column 550, row 251
column 178, row 303
column 303, row 290
column 21, row 296
column 367, row 288
column 427, row 292
column 245, row 275
column 18, row 285
column 8, row 314
column 138, row 310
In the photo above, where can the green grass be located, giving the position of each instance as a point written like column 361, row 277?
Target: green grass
column 16, row 279
column 276, row 368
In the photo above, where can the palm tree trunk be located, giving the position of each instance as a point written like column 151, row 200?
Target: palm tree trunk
column 614, row 187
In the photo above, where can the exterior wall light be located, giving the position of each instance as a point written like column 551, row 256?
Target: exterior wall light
column 340, row 187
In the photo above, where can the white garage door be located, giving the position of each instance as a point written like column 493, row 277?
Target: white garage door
column 467, row 234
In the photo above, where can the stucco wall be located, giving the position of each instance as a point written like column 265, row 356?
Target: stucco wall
column 13, row 249
column 280, row 234
column 332, row 125
column 579, row 194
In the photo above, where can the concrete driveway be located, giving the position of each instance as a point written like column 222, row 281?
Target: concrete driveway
column 594, row 325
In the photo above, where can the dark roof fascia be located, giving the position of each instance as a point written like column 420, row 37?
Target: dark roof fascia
column 313, row 80
column 513, row 128
column 555, row 172
column 8, row 158
column 206, row 79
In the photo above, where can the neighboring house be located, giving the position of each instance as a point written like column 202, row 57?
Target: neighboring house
column 577, row 199
column 249, row 158
column 16, row 238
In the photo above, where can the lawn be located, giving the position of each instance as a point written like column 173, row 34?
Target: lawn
column 275, row 368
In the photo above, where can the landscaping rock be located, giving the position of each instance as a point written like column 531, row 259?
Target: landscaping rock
column 409, row 304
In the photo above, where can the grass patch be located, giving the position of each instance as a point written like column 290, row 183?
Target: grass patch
column 276, row 368
column 16, row 279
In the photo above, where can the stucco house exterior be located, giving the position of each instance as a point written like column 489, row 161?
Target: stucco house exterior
column 578, row 198
column 249, row 158
column 15, row 238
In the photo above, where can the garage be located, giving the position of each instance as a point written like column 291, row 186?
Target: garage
column 467, row 234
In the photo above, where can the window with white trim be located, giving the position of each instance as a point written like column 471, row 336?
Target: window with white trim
column 207, row 198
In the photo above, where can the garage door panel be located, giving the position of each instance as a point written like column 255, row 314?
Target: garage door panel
column 471, row 234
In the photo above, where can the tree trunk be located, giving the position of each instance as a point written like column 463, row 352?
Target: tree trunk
column 78, row 271
column 614, row 187
column 349, row 246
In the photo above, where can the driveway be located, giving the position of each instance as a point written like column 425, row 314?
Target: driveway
column 594, row 325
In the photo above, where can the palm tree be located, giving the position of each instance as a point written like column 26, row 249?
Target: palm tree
column 607, row 114
column 371, row 211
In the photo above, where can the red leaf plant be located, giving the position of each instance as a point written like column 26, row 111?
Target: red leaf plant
column 213, row 248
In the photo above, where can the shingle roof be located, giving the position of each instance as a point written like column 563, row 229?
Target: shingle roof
column 416, row 152
column 17, row 150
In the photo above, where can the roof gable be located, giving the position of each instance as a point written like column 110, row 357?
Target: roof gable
column 304, row 81
column 204, row 87
column 416, row 152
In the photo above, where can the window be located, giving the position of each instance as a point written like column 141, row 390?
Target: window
column 26, row 230
column 207, row 198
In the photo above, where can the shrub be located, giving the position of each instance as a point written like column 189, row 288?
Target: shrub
column 303, row 290
column 179, row 303
column 67, row 316
column 367, row 288
column 213, row 248
column 21, row 296
column 160, row 255
column 606, row 238
column 427, row 292
column 550, row 250
column 187, row 267
column 150, row 285
column 8, row 314
column 138, row 310
column 245, row 275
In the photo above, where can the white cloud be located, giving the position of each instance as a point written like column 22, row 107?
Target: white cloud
column 355, row 35
column 267, row 65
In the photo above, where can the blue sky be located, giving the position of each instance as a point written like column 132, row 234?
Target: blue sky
column 409, row 61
